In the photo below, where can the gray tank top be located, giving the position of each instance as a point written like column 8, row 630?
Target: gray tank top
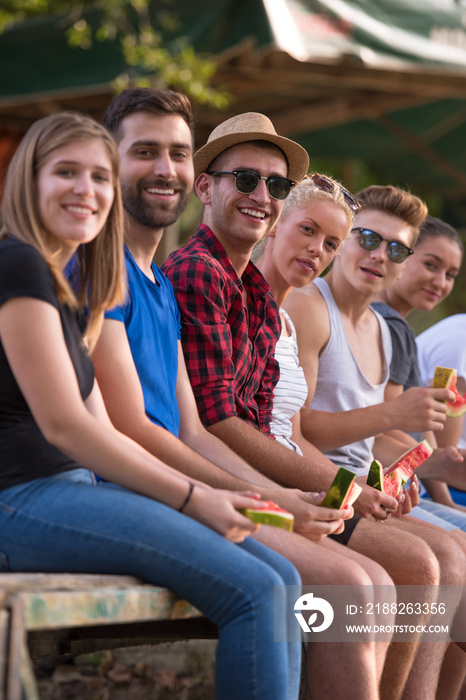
column 341, row 385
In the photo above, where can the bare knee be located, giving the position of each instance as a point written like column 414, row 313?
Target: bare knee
column 449, row 550
column 422, row 567
column 379, row 576
column 452, row 561
column 406, row 557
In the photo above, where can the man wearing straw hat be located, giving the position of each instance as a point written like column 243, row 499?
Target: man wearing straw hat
column 230, row 324
column 243, row 175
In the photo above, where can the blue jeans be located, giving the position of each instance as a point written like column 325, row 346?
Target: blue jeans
column 456, row 519
column 68, row 523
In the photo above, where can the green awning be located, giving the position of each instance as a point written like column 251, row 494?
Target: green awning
column 379, row 80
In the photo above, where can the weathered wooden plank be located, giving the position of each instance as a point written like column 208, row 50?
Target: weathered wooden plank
column 56, row 609
column 63, row 600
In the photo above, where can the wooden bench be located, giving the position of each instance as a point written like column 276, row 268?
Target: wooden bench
column 48, row 616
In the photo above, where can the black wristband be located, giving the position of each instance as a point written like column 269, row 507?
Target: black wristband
column 186, row 500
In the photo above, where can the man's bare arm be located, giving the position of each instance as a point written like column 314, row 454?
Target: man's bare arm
column 415, row 410
column 122, row 392
column 451, row 432
column 273, row 459
column 291, row 469
column 204, row 443
column 371, row 502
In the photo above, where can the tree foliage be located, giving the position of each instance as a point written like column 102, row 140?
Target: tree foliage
column 139, row 26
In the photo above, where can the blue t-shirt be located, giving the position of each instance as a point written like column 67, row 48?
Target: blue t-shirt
column 153, row 327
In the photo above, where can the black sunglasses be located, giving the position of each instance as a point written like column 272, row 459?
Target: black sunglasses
column 326, row 184
column 370, row 240
column 246, row 182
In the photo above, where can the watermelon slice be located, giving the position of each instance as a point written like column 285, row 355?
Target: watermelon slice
column 410, row 460
column 445, row 378
column 343, row 491
column 270, row 514
column 390, row 484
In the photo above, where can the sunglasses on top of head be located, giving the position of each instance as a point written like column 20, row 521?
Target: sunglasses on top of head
column 370, row 240
column 246, row 182
column 326, row 184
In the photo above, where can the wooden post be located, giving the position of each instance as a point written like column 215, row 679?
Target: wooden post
column 16, row 640
column 4, row 633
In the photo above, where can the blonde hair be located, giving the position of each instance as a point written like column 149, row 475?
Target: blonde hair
column 300, row 197
column 101, row 282
column 307, row 192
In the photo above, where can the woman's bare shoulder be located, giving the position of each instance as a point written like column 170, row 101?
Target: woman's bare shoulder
column 308, row 311
column 306, row 300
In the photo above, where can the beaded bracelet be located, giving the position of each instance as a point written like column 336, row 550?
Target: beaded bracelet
column 186, row 500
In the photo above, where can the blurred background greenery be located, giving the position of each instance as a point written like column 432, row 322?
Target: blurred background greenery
column 375, row 91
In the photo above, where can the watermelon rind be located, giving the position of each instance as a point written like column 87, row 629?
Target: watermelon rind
column 411, row 460
column 352, row 495
column 445, row 378
column 458, row 407
column 342, row 491
column 375, row 475
column 388, row 483
column 270, row 517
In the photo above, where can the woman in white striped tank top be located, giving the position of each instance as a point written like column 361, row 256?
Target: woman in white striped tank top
column 316, row 218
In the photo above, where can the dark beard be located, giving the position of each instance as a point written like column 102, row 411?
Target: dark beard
column 157, row 215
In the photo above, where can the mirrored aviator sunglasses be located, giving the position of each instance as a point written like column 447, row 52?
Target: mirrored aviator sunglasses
column 326, row 184
column 246, row 182
column 370, row 240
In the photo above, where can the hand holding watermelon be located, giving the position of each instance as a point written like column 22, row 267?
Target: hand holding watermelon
column 392, row 479
column 219, row 510
column 310, row 519
column 268, row 513
column 374, row 502
column 419, row 409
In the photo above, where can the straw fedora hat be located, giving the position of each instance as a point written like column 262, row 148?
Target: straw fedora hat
column 250, row 126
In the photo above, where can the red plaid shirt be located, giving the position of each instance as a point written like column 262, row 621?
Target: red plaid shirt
column 229, row 350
